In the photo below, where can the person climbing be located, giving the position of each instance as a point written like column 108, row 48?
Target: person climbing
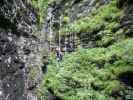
column 58, row 54
column 69, row 47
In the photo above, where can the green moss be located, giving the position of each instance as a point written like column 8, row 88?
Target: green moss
column 33, row 73
column 41, row 6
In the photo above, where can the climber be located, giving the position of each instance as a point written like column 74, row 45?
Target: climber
column 58, row 54
column 69, row 47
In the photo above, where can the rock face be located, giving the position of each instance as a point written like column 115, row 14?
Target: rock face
column 20, row 51
column 127, row 20
column 64, row 12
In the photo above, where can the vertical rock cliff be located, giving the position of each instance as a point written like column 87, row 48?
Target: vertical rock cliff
column 61, row 13
column 20, row 50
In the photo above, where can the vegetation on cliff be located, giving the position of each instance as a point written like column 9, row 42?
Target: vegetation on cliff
column 99, row 19
column 103, row 72
column 41, row 6
column 101, row 26
column 93, row 74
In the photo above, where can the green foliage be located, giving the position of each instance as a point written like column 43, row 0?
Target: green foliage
column 99, row 18
column 33, row 73
column 91, row 74
column 65, row 19
column 41, row 6
column 41, row 92
column 101, row 25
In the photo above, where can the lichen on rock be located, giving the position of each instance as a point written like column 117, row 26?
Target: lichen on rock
column 20, row 50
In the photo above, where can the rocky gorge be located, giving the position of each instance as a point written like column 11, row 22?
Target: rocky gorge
column 100, row 68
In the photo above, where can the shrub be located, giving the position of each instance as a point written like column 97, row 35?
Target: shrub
column 80, row 78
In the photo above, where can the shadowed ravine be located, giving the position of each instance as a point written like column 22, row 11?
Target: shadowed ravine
column 66, row 50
